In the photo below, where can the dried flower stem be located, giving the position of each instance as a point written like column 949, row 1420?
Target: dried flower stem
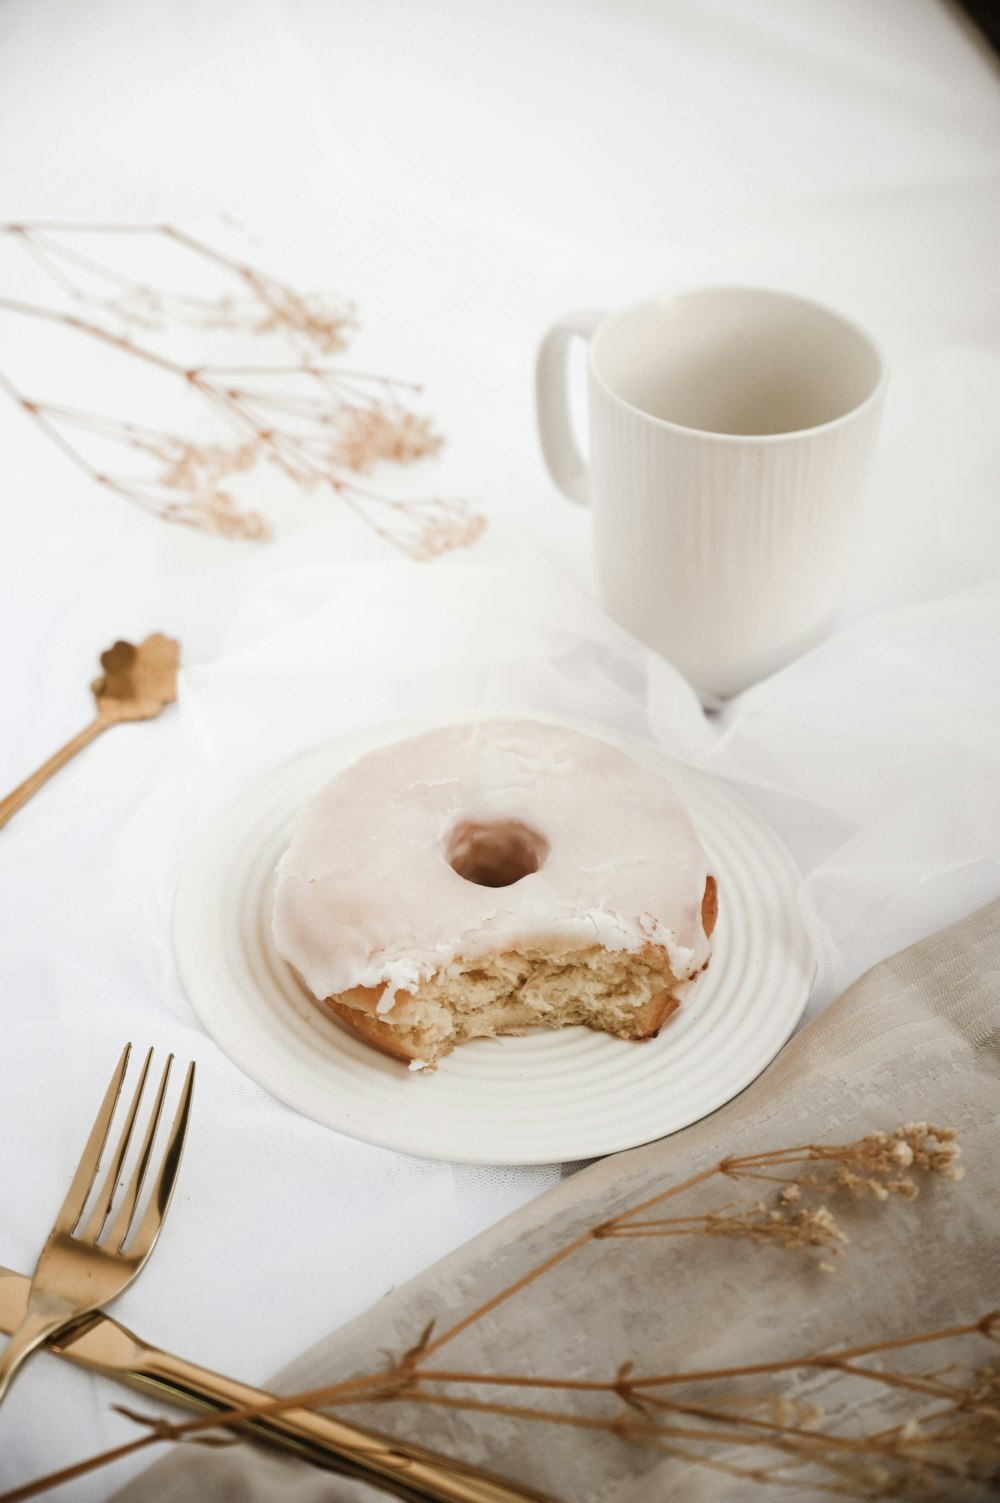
column 803, row 1445
column 839, row 1358
column 329, row 427
column 963, row 1434
column 79, row 1469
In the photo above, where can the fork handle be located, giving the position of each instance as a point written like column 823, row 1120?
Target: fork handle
column 31, row 785
column 34, row 1330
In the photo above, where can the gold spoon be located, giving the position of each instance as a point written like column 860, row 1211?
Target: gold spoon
column 136, row 684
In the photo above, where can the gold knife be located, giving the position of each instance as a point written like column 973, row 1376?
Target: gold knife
column 406, row 1471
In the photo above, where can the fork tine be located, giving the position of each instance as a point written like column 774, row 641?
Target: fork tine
column 119, row 1230
column 163, row 1189
column 90, row 1160
column 105, row 1199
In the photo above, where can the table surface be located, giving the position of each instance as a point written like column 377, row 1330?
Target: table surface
column 467, row 173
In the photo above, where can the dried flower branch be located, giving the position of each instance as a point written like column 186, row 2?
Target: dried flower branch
column 959, row 1439
column 716, row 1418
column 777, row 1226
column 320, row 425
column 879, row 1165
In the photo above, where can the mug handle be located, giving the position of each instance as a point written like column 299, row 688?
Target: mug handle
column 560, row 449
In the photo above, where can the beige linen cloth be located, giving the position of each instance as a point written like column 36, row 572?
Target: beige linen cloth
column 917, row 1038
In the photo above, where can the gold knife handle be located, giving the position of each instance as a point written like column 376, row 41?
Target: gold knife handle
column 407, row 1471
column 101, row 1344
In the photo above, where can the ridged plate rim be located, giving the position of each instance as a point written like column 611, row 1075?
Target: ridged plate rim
column 528, row 1100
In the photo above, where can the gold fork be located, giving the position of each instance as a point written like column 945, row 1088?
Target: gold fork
column 76, row 1272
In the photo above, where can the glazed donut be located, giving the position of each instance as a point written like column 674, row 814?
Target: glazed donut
column 489, row 877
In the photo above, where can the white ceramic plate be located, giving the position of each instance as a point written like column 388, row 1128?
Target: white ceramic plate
column 542, row 1098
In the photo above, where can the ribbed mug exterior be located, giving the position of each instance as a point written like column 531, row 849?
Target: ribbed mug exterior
column 728, row 555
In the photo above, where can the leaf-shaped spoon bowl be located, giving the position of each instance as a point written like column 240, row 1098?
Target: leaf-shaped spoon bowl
column 136, row 684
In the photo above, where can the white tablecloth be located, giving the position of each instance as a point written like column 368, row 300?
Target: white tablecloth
column 467, row 172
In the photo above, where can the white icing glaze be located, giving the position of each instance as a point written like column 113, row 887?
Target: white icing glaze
column 366, row 896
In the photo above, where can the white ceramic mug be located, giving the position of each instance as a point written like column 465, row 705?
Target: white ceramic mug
column 731, row 431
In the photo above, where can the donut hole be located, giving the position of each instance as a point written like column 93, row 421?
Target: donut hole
column 497, row 854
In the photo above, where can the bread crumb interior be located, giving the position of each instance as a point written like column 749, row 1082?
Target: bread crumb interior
column 614, row 991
